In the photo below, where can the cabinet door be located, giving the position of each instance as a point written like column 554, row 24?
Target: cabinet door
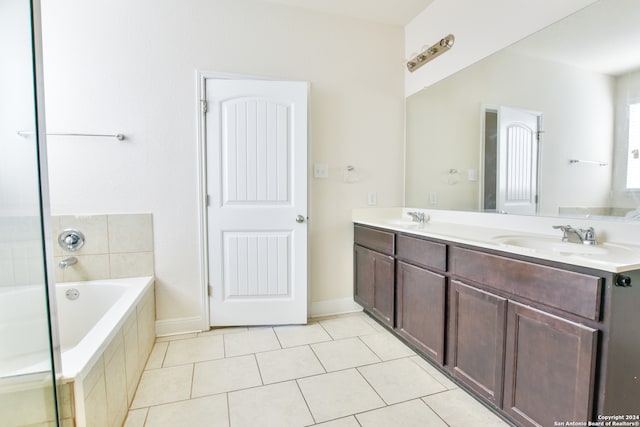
column 549, row 368
column 363, row 277
column 420, row 313
column 374, row 283
column 477, row 327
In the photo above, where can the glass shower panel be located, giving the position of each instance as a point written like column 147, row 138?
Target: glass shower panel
column 27, row 380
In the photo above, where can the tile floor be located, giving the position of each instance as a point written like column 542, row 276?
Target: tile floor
column 344, row 371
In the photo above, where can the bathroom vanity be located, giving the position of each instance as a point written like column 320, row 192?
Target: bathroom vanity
column 542, row 334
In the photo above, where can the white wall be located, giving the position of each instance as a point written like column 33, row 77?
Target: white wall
column 480, row 28
column 18, row 161
column 129, row 66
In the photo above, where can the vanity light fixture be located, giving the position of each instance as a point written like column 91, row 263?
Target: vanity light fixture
column 430, row 53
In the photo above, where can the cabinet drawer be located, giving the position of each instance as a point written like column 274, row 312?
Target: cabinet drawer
column 422, row 252
column 378, row 240
column 569, row 291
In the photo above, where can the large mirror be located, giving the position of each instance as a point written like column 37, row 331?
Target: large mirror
column 543, row 127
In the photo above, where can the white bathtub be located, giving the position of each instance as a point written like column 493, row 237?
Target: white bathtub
column 88, row 324
column 106, row 335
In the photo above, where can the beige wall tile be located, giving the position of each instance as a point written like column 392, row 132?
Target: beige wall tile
column 96, row 405
column 88, row 267
column 59, row 273
column 136, row 418
column 146, row 315
column 131, row 264
column 92, row 378
column 94, row 228
column 130, row 233
column 131, row 353
column 116, row 387
column 66, row 401
column 114, row 346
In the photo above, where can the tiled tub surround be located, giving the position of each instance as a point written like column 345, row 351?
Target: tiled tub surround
column 20, row 251
column 116, row 246
column 101, row 371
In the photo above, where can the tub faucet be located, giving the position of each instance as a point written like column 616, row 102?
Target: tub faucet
column 418, row 217
column 67, row 262
column 586, row 236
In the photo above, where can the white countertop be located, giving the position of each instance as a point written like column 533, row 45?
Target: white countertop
column 529, row 236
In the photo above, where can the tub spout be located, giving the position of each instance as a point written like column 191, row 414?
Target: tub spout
column 67, row 262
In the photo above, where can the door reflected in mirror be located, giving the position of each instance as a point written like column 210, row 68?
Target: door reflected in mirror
column 580, row 75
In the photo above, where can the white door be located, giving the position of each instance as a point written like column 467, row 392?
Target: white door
column 518, row 161
column 256, row 142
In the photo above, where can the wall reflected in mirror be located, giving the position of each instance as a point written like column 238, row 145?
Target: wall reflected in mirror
column 565, row 152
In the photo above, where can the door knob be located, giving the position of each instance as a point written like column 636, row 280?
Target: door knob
column 300, row 219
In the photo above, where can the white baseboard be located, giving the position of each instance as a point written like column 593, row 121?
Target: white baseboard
column 317, row 309
column 178, row 326
column 333, row 306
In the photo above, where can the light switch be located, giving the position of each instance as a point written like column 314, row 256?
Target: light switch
column 372, row 198
column 472, row 174
column 433, row 198
column 320, row 170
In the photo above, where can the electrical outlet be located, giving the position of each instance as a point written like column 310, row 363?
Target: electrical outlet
column 433, row 198
column 320, row 170
column 372, row 198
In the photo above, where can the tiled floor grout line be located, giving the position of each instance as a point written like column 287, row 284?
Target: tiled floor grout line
column 318, row 359
column 434, row 411
column 372, row 388
column 305, row 402
column 193, row 377
column 255, row 358
column 226, row 395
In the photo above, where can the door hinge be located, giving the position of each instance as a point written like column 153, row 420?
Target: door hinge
column 206, row 200
column 209, row 289
column 204, row 105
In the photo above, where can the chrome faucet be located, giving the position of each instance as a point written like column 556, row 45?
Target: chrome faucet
column 67, row 262
column 586, row 236
column 418, row 217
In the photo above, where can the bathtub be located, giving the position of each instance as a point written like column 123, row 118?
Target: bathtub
column 106, row 335
column 88, row 322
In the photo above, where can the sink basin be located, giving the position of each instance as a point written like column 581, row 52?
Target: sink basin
column 404, row 223
column 547, row 244
column 544, row 244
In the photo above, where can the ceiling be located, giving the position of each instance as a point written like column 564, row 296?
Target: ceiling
column 392, row 12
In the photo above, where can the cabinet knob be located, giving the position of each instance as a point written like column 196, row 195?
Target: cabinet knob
column 623, row 281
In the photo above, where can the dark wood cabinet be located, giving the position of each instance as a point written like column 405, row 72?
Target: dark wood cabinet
column 374, row 279
column 477, row 330
column 420, row 313
column 540, row 341
column 550, row 365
